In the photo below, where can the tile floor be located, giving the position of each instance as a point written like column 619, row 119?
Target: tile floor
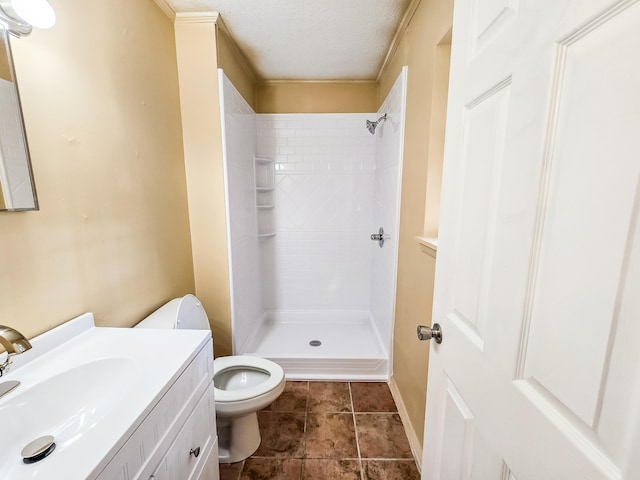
column 326, row 431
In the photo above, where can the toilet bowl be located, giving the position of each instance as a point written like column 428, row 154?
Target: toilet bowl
column 242, row 384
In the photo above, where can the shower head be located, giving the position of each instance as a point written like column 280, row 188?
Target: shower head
column 371, row 126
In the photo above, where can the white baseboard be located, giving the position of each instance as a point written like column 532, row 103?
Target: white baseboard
column 414, row 441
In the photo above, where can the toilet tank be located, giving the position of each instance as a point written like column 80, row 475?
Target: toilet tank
column 182, row 313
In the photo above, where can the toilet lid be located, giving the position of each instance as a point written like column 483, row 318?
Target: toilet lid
column 191, row 314
column 183, row 313
column 276, row 377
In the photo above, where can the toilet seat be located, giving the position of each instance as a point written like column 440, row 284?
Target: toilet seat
column 239, row 362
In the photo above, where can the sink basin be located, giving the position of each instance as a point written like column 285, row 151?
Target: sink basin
column 66, row 405
column 90, row 388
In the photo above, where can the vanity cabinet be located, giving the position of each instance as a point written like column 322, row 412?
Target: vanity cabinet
column 177, row 439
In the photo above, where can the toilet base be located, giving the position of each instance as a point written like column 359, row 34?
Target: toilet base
column 238, row 437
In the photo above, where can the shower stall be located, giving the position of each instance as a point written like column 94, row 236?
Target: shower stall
column 312, row 287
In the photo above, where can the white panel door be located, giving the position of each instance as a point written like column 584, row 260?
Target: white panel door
column 538, row 271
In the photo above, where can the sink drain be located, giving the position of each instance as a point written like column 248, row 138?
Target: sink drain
column 315, row 343
column 38, row 449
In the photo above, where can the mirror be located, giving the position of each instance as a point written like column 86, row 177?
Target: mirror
column 17, row 189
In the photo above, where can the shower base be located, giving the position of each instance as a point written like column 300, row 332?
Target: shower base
column 350, row 346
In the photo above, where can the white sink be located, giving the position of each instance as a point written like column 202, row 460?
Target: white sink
column 66, row 405
column 89, row 388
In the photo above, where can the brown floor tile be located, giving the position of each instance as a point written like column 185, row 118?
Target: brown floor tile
column 282, row 434
column 382, row 436
column 372, row 397
column 390, row 470
column 329, row 397
column 272, row 469
column 330, row 469
column 330, row 435
column 293, row 399
column 230, row 471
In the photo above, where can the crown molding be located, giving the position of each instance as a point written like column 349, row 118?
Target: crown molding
column 267, row 83
column 237, row 52
column 197, row 17
column 186, row 17
column 166, row 8
column 397, row 38
column 216, row 19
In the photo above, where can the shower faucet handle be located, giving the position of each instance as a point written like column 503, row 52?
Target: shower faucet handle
column 380, row 237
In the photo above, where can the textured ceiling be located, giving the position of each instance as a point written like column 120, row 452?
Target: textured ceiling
column 308, row 40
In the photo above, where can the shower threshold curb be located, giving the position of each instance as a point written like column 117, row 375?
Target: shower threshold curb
column 333, row 368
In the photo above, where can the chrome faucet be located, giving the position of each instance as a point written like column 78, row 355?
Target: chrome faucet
column 14, row 343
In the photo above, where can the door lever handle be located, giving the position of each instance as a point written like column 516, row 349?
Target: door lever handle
column 428, row 333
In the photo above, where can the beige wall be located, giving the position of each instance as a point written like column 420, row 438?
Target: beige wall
column 5, row 70
column 440, row 92
column 203, row 46
column 417, row 49
column 100, row 99
column 201, row 124
column 235, row 67
column 317, row 97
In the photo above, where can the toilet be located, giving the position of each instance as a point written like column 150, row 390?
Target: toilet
column 242, row 384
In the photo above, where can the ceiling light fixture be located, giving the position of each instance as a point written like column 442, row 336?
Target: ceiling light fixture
column 19, row 16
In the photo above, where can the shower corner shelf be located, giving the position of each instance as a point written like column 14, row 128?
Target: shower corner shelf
column 263, row 161
column 265, row 201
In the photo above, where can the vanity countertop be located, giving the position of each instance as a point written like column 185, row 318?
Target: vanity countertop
column 90, row 387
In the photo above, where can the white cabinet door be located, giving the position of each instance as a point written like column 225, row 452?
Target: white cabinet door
column 211, row 468
column 538, row 271
column 193, row 446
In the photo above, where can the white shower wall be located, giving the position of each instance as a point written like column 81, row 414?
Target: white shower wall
column 320, row 257
column 239, row 146
column 320, row 276
column 386, row 207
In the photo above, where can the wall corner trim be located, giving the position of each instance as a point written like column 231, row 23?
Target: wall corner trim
column 197, row 17
column 397, row 38
column 414, row 441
